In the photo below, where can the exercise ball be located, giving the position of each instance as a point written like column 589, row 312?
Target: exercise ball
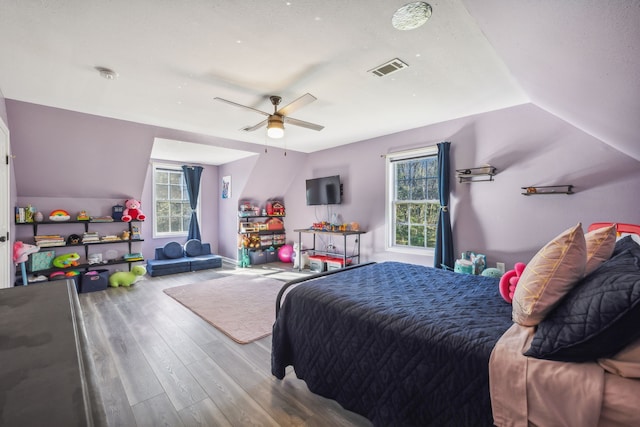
column 285, row 253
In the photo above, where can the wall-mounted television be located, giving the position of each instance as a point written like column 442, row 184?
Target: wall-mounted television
column 324, row 191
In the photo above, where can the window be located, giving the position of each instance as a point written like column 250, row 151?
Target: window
column 413, row 202
column 172, row 212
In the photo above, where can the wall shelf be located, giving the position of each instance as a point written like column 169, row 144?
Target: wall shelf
column 536, row 190
column 483, row 173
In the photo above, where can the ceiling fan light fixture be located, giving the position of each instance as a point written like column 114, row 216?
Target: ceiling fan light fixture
column 411, row 15
column 275, row 127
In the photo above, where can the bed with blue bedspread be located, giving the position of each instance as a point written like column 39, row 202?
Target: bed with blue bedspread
column 400, row 344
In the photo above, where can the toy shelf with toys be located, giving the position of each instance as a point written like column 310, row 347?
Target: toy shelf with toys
column 260, row 232
column 47, row 262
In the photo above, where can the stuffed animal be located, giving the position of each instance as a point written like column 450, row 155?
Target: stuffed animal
column 132, row 211
column 300, row 258
column 21, row 251
column 509, row 281
column 66, row 260
column 127, row 278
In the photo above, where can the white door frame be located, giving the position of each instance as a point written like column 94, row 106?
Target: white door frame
column 6, row 247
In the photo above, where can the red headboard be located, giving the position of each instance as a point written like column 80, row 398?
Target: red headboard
column 620, row 228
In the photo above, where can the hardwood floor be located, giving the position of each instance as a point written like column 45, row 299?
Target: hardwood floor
column 159, row 364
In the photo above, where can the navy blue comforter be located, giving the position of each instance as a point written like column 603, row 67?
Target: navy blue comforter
column 400, row 344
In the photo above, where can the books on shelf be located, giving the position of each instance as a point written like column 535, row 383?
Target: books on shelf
column 110, row 238
column 137, row 256
column 106, row 218
column 49, row 240
column 90, row 237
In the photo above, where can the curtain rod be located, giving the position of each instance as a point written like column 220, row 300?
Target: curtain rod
column 408, row 152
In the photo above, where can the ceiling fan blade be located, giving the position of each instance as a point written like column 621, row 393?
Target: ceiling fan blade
column 255, row 127
column 302, row 123
column 305, row 99
column 235, row 104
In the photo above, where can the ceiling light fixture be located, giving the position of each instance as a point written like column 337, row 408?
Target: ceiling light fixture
column 107, row 73
column 275, row 126
column 411, row 15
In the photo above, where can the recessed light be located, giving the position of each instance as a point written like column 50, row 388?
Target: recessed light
column 107, row 73
column 411, row 15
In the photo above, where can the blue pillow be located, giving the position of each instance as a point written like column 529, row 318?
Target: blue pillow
column 597, row 318
column 172, row 250
column 193, row 247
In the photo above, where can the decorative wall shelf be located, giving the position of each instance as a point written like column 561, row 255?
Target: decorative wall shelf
column 536, row 190
column 484, row 173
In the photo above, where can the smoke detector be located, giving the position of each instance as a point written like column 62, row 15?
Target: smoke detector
column 389, row 67
column 107, row 73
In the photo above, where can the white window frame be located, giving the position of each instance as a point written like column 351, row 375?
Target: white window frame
column 390, row 212
column 156, row 234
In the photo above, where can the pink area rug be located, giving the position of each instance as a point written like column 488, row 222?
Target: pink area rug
column 241, row 306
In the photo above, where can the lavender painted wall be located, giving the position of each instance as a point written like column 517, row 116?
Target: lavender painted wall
column 528, row 146
column 74, row 161
column 260, row 178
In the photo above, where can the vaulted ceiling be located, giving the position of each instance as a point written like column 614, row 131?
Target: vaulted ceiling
column 578, row 59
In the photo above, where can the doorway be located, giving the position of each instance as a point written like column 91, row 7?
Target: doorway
column 5, row 242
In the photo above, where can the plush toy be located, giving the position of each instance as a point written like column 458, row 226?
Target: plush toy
column 300, row 258
column 127, row 278
column 21, row 251
column 509, row 281
column 132, row 211
column 254, row 241
column 66, row 260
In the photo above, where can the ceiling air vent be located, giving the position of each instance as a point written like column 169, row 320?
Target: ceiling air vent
column 388, row 68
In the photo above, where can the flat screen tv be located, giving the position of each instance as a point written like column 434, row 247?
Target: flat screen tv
column 324, row 191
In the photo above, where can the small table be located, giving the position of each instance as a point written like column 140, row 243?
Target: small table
column 344, row 234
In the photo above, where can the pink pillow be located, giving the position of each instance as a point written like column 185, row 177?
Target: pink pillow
column 549, row 276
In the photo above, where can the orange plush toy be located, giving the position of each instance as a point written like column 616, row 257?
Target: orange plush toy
column 132, row 211
column 509, row 281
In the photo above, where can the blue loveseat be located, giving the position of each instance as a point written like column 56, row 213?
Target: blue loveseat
column 175, row 258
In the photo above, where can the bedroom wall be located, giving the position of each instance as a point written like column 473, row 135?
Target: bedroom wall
column 528, row 146
column 74, row 161
column 267, row 176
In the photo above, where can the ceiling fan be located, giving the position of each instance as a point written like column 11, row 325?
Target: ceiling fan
column 275, row 121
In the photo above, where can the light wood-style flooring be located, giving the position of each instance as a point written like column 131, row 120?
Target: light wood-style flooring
column 159, row 364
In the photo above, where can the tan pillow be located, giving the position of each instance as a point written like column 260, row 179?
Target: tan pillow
column 600, row 245
column 549, row 275
column 626, row 363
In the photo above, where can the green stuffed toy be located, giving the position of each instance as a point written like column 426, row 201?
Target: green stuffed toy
column 127, row 278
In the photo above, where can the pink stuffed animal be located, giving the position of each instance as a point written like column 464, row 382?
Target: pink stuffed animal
column 509, row 281
column 22, row 250
column 132, row 211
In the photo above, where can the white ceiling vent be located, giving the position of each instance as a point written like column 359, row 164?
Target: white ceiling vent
column 389, row 68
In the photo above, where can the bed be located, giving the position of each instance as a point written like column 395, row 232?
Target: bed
column 403, row 344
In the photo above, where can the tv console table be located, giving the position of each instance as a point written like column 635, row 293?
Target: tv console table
column 344, row 235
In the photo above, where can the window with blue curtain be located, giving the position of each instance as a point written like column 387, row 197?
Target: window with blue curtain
column 413, row 203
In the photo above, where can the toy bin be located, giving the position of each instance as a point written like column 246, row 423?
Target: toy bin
column 272, row 256
column 257, row 257
column 317, row 263
column 336, row 263
column 95, row 280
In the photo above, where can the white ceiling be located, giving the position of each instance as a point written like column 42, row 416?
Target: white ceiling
column 192, row 153
column 174, row 57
